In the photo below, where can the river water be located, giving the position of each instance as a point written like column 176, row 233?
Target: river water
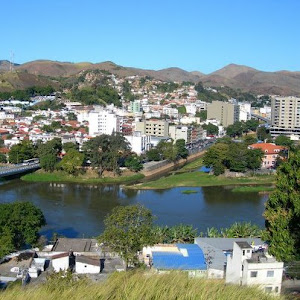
column 77, row 210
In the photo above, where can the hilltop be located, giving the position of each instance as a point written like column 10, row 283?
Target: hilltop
column 235, row 76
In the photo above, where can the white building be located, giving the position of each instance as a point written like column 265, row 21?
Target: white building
column 245, row 111
column 104, row 121
column 246, row 267
column 87, row 265
column 61, row 262
column 140, row 143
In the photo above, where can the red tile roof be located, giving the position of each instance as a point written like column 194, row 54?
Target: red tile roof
column 268, row 148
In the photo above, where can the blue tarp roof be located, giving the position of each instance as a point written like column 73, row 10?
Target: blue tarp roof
column 205, row 169
column 177, row 261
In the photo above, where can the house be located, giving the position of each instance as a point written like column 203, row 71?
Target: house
column 216, row 250
column 87, row 265
column 184, row 257
column 246, row 266
column 271, row 153
column 63, row 261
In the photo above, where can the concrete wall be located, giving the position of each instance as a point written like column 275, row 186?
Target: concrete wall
column 82, row 268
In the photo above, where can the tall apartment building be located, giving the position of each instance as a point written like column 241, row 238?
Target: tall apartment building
column 191, row 134
column 225, row 112
column 159, row 128
column 285, row 116
column 104, row 122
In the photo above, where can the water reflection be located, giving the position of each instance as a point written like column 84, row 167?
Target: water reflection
column 77, row 210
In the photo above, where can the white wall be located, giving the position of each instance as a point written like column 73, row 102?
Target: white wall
column 83, row 268
column 60, row 264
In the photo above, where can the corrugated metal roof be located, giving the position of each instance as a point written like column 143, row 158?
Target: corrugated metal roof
column 190, row 258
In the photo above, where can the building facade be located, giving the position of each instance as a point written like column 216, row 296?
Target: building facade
column 140, row 143
column 246, row 267
column 104, row 122
column 225, row 112
column 285, row 116
column 159, row 128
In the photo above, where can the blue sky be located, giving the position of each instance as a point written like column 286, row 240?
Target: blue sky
column 191, row 34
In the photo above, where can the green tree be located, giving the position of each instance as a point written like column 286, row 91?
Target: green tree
column 20, row 223
column 262, row 133
column 211, row 129
column 48, row 161
column 127, row 230
column 48, row 154
column 202, row 115
column 69, row 145
column 282, row 212
column 283, row 140
column 3, row 158
column 236, row 129
column 182, row 152
column 153, row 154
column 236, row 159
column 168, row 150
column 21, row 152
column 134, row 163
column 106, row 151
column 254, row 158
column 71, row 116
column 249, row 140
column 72, row 161
column 175, row 234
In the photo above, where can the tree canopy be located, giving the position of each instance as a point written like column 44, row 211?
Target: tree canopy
column 282, row 212
column 20, row 152
column 20, row 223
column 127, row 230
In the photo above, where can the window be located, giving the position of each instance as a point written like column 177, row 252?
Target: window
column 243, row 252
column 270, row 273
column 276, row 289
column 268, row 289
column 253, row 274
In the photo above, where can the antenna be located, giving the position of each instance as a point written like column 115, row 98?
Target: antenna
column 11, row 62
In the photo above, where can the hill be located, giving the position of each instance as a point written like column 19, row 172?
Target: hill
column 134, row 286
column 10, row 81
column 235, row 76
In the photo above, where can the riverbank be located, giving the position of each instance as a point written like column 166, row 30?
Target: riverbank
column 198, row 179
column 58, row 176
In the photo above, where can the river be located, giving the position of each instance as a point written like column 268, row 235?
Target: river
column 77, row 210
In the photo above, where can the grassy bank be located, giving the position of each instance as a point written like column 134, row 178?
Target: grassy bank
column 136, row 286
column 254, row 188
column 196, row 179
column 195, row 164
column 57, row 176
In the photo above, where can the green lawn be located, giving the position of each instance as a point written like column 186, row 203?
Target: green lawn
column 63, row 177
column 193, row 179
column 195, row 164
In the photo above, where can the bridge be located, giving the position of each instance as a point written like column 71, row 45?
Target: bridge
column 18, row 169
column 258, row 117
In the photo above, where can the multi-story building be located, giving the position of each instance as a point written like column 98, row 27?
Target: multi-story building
column 140, row 143
column 248, row 267
column 104, row 122
column 285, row 116
column 245, row 111
column 191, row 134
column 271, row 153
column 153, row 127
column 225, row 112
column 135, row 106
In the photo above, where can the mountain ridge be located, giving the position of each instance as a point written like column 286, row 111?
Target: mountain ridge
column 236, row 76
